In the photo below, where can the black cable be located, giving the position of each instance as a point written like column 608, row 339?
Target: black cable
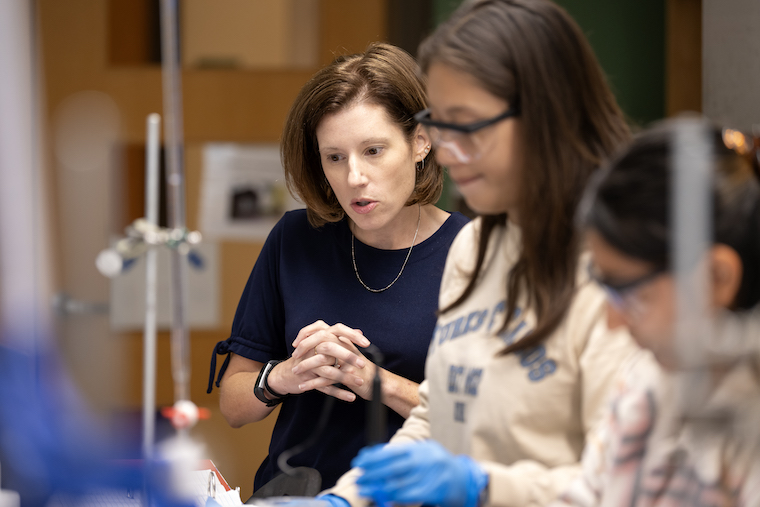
column 377, row 422
column 376, row 417
column 282, row 459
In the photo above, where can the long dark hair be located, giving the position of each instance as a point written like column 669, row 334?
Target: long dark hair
column 531, row 52
column 628, row 203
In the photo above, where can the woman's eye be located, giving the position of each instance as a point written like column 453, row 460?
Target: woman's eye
column 373, row 151
column 333, row 158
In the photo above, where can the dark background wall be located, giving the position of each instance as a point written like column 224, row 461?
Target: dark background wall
column 628, row 37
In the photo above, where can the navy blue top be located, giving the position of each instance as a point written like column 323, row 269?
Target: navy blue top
column 305, row 274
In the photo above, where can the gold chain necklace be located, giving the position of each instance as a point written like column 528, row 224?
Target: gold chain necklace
column 356, row 270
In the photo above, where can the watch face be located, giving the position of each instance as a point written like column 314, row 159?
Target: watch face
column 263, row 375
column 258, row 388
column 261, row 385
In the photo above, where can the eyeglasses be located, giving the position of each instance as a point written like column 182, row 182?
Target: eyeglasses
column 457, row 138
column 622, row 296
column 744, row 145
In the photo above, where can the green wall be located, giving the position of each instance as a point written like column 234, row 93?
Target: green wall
column 628, row 37
column 442, row 9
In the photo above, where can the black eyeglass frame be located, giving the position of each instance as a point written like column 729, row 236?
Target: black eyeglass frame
column 622, row 288
column 423, row 118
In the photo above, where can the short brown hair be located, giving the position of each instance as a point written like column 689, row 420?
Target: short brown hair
column 384, row 75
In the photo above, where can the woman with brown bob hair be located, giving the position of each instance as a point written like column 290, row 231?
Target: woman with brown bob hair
column 361, row 265
column 378, row 78
column 521, row 359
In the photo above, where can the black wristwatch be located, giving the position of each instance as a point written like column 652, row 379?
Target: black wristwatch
column 261, row 384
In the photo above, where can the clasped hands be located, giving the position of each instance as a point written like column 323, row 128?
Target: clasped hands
column 326, row 355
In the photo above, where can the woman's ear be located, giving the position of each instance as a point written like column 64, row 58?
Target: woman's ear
column 726, row 275
column 421, row 144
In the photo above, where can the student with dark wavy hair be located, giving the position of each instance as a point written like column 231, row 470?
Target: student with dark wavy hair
column 654, row 447
column 521, row 359
column 361, row 264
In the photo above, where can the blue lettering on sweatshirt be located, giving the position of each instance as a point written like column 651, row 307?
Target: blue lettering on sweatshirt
column 465, row 381
column 459, row 411
column 455, row 373
column 538, row 365
column 472, row 323
column 473, row 381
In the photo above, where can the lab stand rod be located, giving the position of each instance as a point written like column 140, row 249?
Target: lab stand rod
column 172, row 96
column 152, row 176
column 692, row 232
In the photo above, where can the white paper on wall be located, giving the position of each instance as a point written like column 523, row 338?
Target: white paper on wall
column 128, row 291
column 243, row 191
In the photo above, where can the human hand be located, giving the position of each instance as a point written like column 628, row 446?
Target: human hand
column 420, row 472
column 358, row 379
column 326, row 355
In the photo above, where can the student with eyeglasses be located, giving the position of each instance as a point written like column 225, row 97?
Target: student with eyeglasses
column 652, row 447
column 521, row 360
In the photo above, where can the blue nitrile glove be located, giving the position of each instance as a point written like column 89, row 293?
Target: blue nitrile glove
column 420, row 472
column 334, row 500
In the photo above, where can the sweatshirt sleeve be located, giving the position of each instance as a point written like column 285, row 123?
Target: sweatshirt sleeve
column 525, row 483
column 586, row 489
column 417, row 425
column 606, row 353
column 629, row 389
column 601, row 354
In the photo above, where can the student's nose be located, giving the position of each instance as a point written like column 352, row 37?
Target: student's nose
column 615, row 318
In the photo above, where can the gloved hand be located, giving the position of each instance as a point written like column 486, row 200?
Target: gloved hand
column 334, row 500
column 420, row 472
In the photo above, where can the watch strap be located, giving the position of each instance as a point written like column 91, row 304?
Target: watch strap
column 262, row 383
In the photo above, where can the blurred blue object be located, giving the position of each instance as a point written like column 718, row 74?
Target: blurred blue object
column 333, row 501
column 196, row 260
column 299, row 501
column 211, row 502
column 50, row 444
column 419, row 473
column 127, row 265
